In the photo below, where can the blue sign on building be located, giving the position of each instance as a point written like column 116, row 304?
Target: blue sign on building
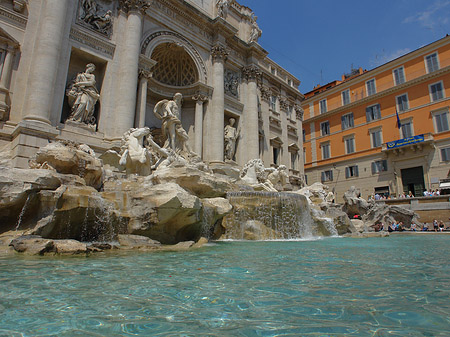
column 405, row 141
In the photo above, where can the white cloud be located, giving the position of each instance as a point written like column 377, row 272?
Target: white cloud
column 384, row 57
column 435, row 15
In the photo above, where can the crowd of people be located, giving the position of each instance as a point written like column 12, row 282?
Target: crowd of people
column 398, row 226
column 426, row 193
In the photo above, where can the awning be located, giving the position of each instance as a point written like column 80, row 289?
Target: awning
column 444, row 185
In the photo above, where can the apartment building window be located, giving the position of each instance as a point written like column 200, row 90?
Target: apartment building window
column 289, row 82
column 326, row 175
column 323, row 106
column 345, row 97
column 326, row 150
column 402, row 102
column 379, row 166
column 373, row 112
column 351, row 171
column 347, row 121
column 407, row 128
column 436, row 91
column 304, row 135
column 371, row 87
column 325, row 128
column 441, row 121
column 349, row 144
column 432, row 62
column 273, row 70
column 399, row 75
column 273, row 103
column 376, row 137
column 304, row 155
column 445, row 154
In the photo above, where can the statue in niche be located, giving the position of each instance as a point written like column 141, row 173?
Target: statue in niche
column 169, row 112
column 222, row 7
column 255, row 32
column 231, row 134
column 90, row 14
column 83, row 96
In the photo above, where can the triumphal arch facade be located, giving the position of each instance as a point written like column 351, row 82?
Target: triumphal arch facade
column 89, row 70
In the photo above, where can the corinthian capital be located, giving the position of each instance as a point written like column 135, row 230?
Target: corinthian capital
column 251, row 72
column 134, row 5
column 219, row 53
column 265, row 93
column 298, row 112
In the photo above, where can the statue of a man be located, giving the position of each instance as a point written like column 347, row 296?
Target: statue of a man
column 255, row 32
column 83, row 95
column 222, row 7
column 170, row 115
column 231, row 134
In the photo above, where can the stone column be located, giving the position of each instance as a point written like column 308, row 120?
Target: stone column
column 198, row 127
column 215, row 133
column 44, row 65
column 144, row 75
column 251, row 74
column 4, row 84
column 129, row 64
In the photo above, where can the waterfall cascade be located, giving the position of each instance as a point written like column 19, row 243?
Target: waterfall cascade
column 271, row 216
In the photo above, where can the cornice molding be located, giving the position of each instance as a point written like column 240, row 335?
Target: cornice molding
column 14, row 18
column 91, row 41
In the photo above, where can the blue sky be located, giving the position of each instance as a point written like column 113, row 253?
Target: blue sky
column 319, row 40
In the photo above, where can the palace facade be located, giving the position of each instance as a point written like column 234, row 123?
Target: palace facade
column 383, row 131
column 144, row 51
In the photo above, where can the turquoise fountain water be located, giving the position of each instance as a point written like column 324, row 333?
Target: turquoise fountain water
column 396, row 286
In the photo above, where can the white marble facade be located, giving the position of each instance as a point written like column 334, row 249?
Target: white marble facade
column 144, row 51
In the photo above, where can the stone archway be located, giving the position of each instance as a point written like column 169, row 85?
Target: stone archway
column 170, row 44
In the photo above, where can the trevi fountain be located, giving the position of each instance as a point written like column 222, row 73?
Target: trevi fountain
column 151, row 184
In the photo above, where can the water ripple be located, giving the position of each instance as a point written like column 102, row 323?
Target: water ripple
column 331, row 287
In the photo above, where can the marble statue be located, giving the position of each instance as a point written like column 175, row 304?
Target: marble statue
column 135, row 157
column 169, row 112
column 278, row 177
column 88, row 10
column 222, row 7
column 231, row 135
column 255, row 32
column 103, row 22
column 83, row 95
column 253, row 172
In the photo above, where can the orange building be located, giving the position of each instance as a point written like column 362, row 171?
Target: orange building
column 351, row 131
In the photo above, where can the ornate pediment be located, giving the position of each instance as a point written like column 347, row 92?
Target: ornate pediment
column 6, row 39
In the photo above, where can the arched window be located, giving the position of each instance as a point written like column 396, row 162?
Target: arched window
column 175, row 67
